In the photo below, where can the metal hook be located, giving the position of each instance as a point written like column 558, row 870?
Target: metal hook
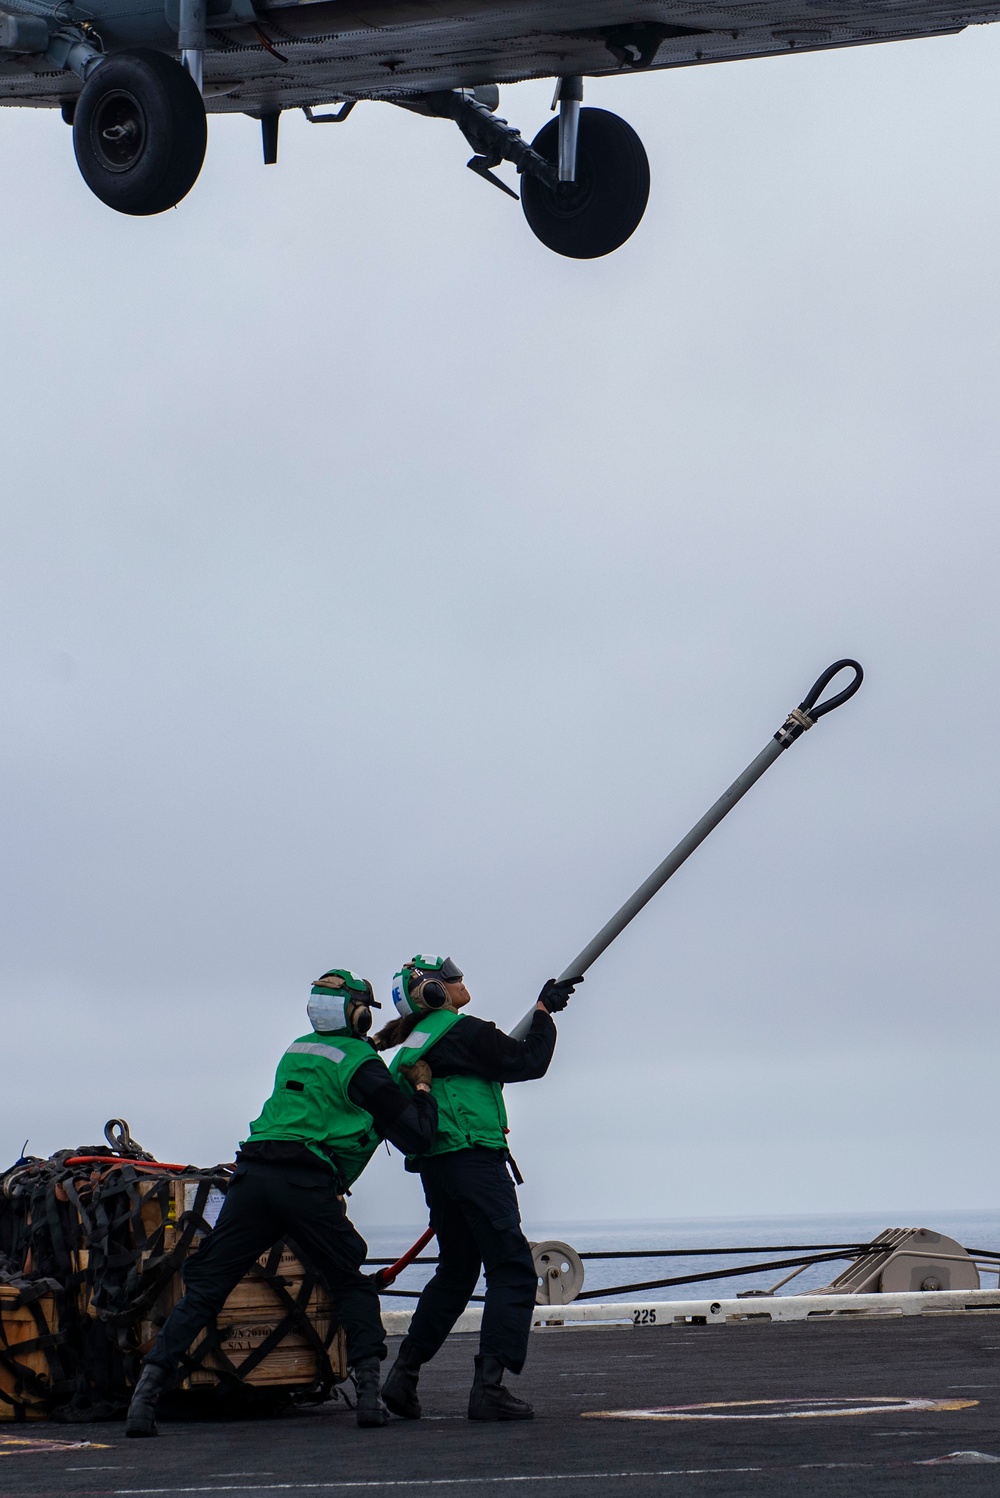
column 119, row 1136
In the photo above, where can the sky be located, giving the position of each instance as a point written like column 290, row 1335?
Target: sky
column 374, row 581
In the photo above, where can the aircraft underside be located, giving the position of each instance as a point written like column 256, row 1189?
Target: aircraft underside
column 139, row 130
column 331, row 51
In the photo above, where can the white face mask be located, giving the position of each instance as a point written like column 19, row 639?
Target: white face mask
column 327, row 1012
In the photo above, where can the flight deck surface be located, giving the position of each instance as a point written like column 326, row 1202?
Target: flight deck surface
column 841, row 1407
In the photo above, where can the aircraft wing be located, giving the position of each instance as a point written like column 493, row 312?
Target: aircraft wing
column 386, row 49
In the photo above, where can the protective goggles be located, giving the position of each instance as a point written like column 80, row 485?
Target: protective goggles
column 441, row 967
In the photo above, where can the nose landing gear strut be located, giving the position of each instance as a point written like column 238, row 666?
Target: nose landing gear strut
column 584, row 178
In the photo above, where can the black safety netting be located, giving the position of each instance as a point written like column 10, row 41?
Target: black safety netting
column 91, row 1246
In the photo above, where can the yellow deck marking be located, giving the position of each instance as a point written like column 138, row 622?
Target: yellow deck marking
column 783, row 1409
column 25, row 1445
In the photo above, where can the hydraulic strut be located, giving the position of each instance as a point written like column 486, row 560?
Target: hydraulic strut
column 492, row 139
column 191, row 38
column 569, row 95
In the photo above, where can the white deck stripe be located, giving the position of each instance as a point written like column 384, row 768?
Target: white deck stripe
column 441, row 1482
column 954, row 1457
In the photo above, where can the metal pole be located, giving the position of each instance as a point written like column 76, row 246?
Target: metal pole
column 673, row 861
column 798, row 720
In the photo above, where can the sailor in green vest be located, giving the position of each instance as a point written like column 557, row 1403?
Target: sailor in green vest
column 333, row 1101
column 466, row 1177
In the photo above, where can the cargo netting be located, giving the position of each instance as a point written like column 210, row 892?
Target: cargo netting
column 92, row 1242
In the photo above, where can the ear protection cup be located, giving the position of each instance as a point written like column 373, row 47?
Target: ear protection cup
column 419, row 986
column 433, row 995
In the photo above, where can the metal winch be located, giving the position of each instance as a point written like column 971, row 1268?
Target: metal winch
column 907, row 1259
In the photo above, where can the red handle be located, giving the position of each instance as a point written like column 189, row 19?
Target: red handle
column 386, row 1276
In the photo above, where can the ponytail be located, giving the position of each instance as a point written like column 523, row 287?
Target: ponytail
column 395, row 1032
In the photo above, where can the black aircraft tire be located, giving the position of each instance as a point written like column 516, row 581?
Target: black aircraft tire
column 139, row 132
column 595, row 214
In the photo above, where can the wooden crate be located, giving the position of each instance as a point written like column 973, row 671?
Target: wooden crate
column 250, row 1315
column 19, row 1352
column 252, row 1312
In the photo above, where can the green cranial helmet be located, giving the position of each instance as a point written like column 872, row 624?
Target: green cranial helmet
column 329, row 1007
column 418, row 986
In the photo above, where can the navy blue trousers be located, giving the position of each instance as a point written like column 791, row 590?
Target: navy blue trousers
column 474, row 1213
column 264, row 1204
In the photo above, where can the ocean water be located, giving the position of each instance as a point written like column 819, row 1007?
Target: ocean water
column 973, row 1229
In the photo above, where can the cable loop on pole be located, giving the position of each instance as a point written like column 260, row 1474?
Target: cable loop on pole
column 808, row 705
column 808, row 713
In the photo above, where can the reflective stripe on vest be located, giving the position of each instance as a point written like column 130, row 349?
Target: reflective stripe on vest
column 311, row 1048
column 311, row 1103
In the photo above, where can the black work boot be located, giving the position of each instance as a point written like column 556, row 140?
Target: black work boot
column 489, row 1400
column 400, row 1388
column 141, row 1417
column 371, row 1410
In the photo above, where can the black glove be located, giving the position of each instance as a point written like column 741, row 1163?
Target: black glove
column 555, row 994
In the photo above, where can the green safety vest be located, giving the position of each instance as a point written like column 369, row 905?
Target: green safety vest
column 470, row 1110
column 310, row 1104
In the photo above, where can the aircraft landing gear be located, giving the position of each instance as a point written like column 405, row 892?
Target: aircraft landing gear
column 139, row 132
column 584, row 178
column 595, row 213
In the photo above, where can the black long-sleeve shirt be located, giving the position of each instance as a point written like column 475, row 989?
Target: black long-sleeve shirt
column 408, row 1123
column 477, row 1048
